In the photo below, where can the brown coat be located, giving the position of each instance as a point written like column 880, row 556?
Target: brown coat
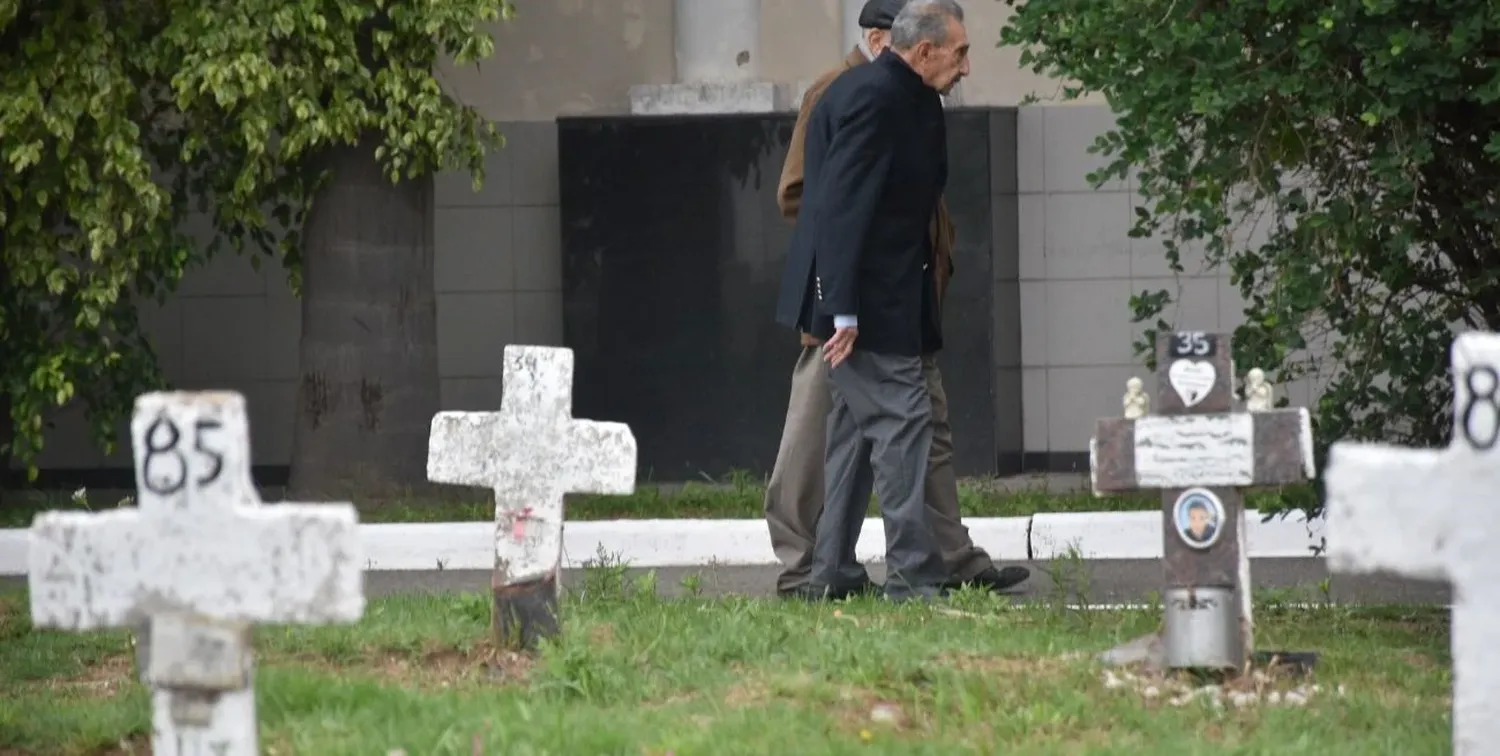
column 789, row 190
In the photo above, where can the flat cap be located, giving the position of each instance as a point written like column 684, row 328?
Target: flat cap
column 880, row 14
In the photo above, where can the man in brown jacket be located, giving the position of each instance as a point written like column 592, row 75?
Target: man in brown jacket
column 795, row 494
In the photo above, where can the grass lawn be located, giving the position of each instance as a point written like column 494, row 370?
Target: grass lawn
column 637, row 675
column 739, row 497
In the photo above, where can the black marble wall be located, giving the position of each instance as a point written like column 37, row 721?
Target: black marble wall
column 672, row 256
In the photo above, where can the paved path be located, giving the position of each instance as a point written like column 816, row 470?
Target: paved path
column 1112, row 581
column 1108, row 581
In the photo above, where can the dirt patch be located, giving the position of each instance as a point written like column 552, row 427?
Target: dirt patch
column 756, row 688
column 431, row 667
column 602, row 635
column 102, row 679
column 863, row 713
column 750, row 692
column 434, row 667
column 1268, row 687
column 1006, row 667
column 747, row 694
column 135, row 745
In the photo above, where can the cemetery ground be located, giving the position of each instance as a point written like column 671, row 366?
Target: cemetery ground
column 637, row 674
column 738, row 496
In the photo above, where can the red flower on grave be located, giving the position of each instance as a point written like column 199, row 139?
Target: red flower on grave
column 518, row 523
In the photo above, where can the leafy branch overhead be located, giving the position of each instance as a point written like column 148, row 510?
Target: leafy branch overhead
column 1340, row 160
column 120, row 121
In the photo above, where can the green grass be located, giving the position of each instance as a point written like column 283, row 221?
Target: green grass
column 636, row 674
column 741, row 496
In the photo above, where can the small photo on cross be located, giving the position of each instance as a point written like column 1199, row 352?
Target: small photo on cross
column 1199, row 517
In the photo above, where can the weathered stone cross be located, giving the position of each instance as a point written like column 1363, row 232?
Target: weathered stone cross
column 1202, row 454
column 530, row 453
column 196, row 563
column 1430, row 513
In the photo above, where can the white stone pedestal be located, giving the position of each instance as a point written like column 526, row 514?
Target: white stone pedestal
column 718, row 52
column 709, row 98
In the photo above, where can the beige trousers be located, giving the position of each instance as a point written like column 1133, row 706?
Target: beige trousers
column 794, row 496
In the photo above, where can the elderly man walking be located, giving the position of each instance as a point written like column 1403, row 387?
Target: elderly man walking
column 796, row 493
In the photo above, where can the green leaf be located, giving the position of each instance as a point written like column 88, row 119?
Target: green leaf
column 119, row 122
column 1365, row 140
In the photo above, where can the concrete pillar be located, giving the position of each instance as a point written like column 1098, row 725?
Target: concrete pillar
column 716, row 40
column 717, row 46
column 849, row 26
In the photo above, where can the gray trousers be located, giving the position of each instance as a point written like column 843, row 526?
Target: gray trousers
column 795, row 492
column 879, row 436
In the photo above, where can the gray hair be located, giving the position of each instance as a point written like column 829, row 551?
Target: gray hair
column 924, row 20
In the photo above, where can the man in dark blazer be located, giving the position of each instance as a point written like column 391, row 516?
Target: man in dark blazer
column 858, row 278
column 795, row 489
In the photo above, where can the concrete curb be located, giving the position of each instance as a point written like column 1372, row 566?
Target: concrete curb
column 686, row 543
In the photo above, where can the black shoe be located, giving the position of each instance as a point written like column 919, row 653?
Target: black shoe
column 994, row 579
column 925, row 595
column 810, row 592
column 867, row 588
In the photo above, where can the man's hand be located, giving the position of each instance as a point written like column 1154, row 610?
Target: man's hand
column 838, row 347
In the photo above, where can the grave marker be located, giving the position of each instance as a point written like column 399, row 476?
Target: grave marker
column 1201, row 454
column 530, row 454
column 1430, row 513
column 197, row 561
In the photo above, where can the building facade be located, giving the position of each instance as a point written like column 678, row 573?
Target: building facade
column 500, row 251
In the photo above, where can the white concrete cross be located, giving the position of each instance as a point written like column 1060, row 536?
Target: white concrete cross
column 1435, row 514
column 199, row 560
column 530, row 454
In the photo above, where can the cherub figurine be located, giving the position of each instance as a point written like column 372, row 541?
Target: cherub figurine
column 1136, row 402
column 1257, row 391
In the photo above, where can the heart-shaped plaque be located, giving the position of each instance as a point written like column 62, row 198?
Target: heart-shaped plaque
column 1192, row 380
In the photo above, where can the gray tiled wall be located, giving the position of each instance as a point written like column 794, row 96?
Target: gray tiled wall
column 1007, row 325
column 499, row 264
column 499, row 278
column 1078, row 270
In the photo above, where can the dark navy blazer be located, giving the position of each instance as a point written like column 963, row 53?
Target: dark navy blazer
column 876, row 161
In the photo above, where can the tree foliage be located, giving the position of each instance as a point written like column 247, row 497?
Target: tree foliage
column 1363, row 138
column 119, row 119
